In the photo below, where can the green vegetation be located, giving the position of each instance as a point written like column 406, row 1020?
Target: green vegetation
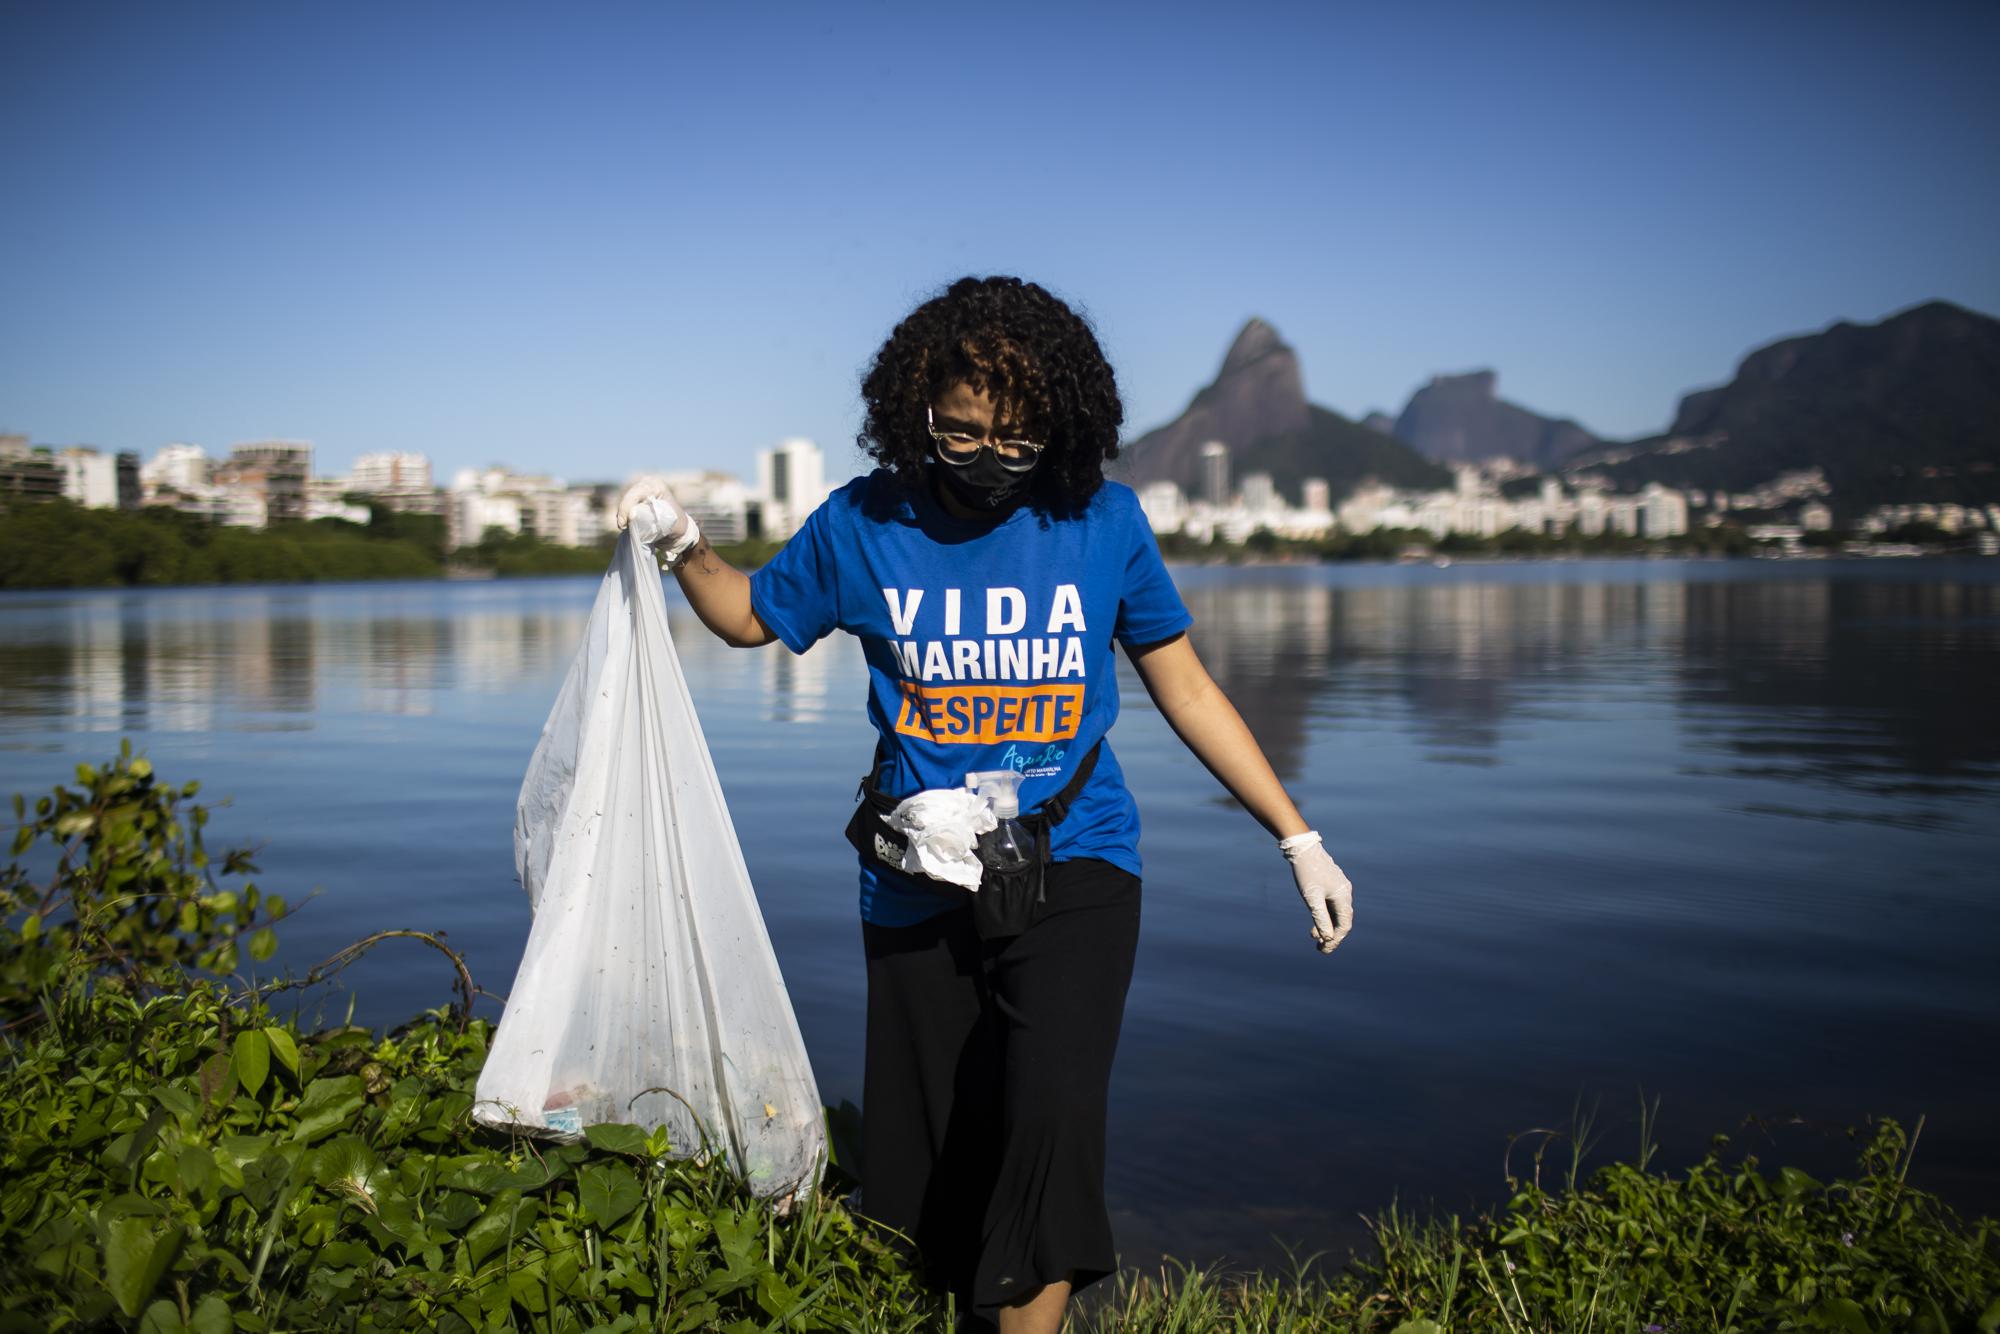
column 1721, row 1248
column 177, row 1153
column 516, row 554
column 59, row 544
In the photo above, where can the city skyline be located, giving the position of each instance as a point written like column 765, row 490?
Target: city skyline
column 651, row 239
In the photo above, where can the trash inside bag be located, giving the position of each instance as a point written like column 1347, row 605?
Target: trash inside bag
column 941, row 829
column 648, row 993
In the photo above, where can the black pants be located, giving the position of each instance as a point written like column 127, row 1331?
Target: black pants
column 988, row 1068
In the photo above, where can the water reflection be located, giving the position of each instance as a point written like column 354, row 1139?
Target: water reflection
column 1876, row 689
column 259, row 660
column 1840, row 681
column 1868, row 685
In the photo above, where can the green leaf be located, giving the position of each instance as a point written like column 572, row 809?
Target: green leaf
column 607, row 1192
column 348, row 1165
column 1416, row 1325
column 264, row 1177
column 217, row 1080
column 136, row 1254
column 211, row 1316
column 31, row 929
column 328, row 1105
column 263, row 943
column 492, row 1228
column 344, row 1255
column 162, row 1317
column 777, row 1300
column 283, row 1047
column 1794, row 1184
column 252, row 1060
column 614, row 1138
column 197, row 1168
column 22, row 838
column 1841, row 1313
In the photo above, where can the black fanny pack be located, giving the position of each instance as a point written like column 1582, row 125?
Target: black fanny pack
column 1005, row 903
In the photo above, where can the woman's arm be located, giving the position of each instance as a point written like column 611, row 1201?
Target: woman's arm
column 720, row 596
column 1202, row 717
column 717, row 590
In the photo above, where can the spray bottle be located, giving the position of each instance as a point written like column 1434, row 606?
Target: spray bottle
column 1009, row 848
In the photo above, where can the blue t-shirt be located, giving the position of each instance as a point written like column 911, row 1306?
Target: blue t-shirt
column 989, row 646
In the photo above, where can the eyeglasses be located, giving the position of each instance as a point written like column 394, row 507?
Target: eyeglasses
column 960, row 449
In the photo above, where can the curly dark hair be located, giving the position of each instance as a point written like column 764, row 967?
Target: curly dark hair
column 1036, row 358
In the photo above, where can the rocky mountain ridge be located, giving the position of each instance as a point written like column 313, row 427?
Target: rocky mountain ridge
column 1463, row 419
column 1901, row 411
column 1905, row 409
column 1257, row 406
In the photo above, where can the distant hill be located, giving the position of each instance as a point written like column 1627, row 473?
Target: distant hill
column 1462, row 419
column 1257, row 406
column 1901, row 411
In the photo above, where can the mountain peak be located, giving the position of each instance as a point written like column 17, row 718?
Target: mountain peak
column 1256, row 406
column 1255, row 341
column 1484, row 383
column 1462, row 419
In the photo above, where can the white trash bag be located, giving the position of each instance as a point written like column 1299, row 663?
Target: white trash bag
column 648, row 993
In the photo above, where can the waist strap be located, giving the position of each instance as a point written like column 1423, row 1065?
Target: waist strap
column 1050, row 813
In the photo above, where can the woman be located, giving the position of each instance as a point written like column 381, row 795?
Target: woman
column 988, row 568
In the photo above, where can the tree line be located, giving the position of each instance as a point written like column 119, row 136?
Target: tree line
column 59, row 544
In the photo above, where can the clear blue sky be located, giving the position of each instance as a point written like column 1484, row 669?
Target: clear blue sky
column 593, row 239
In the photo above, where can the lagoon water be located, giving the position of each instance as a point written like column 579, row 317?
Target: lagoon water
column 1721, row 834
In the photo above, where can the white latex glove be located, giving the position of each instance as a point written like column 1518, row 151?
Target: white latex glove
column 1321, row 883
column 647, row 506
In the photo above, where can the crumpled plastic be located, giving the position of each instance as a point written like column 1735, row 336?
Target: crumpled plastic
column 648, row 992
column 942, row 826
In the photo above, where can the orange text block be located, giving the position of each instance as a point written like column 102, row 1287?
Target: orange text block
column 982, row 715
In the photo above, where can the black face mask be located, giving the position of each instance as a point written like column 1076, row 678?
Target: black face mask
column 983, row 484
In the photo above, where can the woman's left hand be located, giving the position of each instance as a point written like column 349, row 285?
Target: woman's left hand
column 1323, row 885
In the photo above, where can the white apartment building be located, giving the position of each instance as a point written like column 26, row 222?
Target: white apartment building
column 89, row 477
column 1215, row 473
column 1260, row 494
column 468, row 514
column 176, row 467
column 324, row 500
column 1472, row 505
column 534, row 503
column 276, row 471
column 390, row 470
column 1166, row 509
column 791, row 483
column 1662, row 512
column 719, row 502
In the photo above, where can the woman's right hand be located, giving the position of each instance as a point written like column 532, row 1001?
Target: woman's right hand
column 1323, row 885
column 663, row 524
column 645, row 487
